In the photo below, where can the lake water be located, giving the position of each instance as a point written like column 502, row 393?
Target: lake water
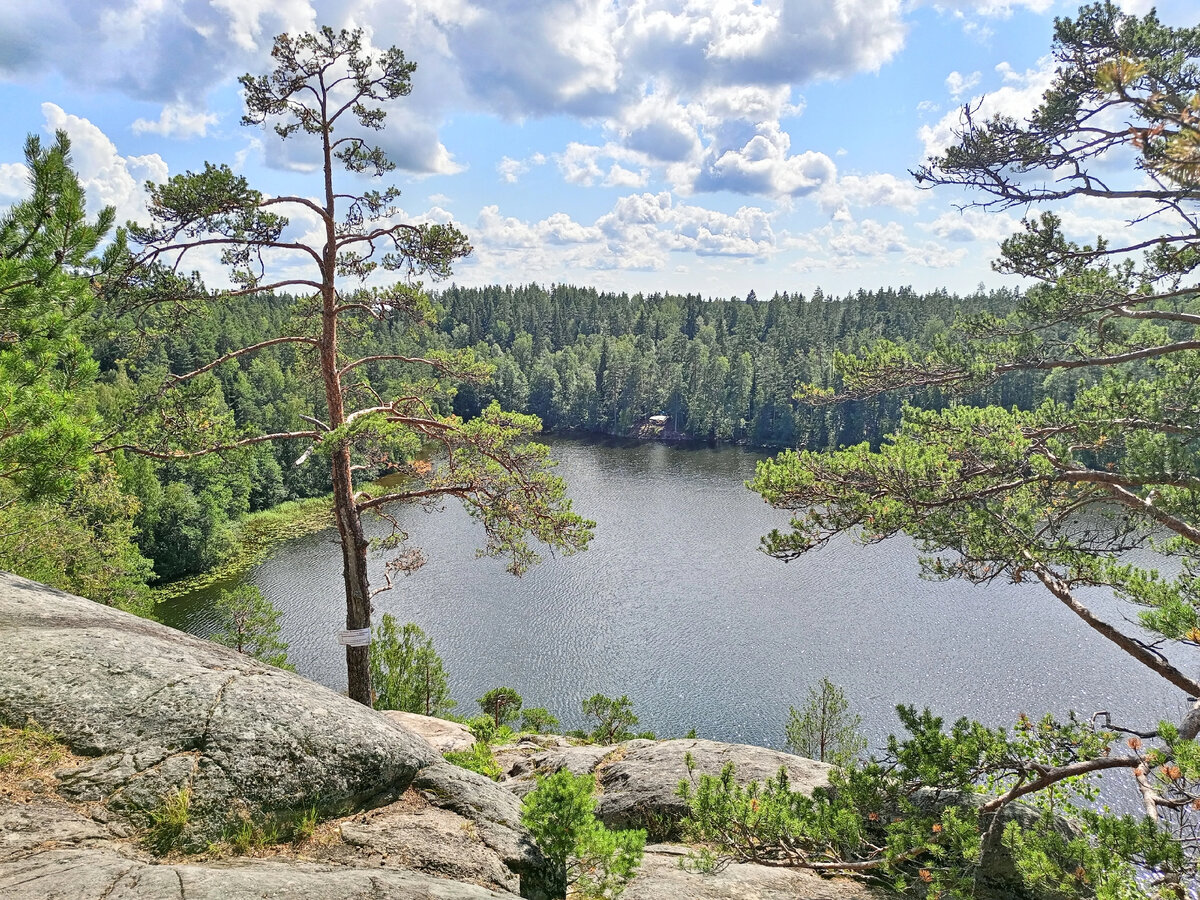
column 674, row 605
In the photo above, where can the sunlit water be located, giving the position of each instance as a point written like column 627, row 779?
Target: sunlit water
column 674, row 605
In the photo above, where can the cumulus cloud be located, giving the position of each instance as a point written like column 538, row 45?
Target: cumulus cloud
column 150, row 50
column 654, row 73
column 14, row 181
column 176, row 121
column 1020, row 95
column 764, row 165
column 972, row 225
column 640, row 232
column 109, row 178
column 993, row 8
column 511, row 169
column 958, row 84
column 875, row 190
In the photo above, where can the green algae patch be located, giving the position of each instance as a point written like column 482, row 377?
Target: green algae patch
column 255, row 537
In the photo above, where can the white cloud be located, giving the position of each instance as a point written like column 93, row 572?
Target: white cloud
column 14, row 181
column 868, row 239
column 148, row 49
column 109, row 178
column 581, row 164
column 879, row 189
column 763, row 165
column 619, row 176
column 640, row 232
column 993, row 8
column 958, row 84
column 511, row 169
column 973, row 225
column 177, row 121
column 1021, row 94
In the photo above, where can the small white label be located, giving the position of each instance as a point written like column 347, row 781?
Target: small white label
column 357, row 637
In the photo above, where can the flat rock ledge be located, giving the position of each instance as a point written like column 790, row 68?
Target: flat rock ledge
column 48, row 850
column 662, row 878
column 443, row 735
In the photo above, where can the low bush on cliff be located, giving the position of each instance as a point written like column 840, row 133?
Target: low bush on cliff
column 936, row 816
column 560, row 813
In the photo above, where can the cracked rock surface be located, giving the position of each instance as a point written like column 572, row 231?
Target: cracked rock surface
column 156, row 711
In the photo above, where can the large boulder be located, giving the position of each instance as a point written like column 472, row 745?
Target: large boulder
column 638, row 780
column 158, row 712
column 495, row 815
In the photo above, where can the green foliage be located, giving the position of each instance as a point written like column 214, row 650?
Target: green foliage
column 478, row 759
column 64, row 520
column 719, row 368
column 934, row 817
column 249, row 623
column 484, row 729
column 825, row 729
column 1097, row 482
column 614, row 717
column 406, row 671
column 503, row 704
column 167, row 821
column 560, row 814
column 46, row 258
column 538, row 719
column 331, row 87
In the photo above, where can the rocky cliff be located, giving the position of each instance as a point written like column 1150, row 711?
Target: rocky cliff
column 269, row 785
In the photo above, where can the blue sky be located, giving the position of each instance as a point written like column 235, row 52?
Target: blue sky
column 639, row 145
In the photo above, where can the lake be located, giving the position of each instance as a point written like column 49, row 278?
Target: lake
column 674, row 605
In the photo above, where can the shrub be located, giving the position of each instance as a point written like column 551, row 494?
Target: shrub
column 825, row 729
column 614, row 717
column 560, row 813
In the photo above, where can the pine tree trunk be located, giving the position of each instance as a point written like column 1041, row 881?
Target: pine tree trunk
column 354, row 573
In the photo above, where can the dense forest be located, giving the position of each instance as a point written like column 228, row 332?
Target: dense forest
column 579, row 359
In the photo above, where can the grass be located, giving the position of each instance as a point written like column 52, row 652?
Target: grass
column 478, row 759
column 168, row 821
column 29, row 751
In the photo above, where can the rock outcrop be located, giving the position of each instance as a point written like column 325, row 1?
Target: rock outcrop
column 49, row 851
column 662, row 878
column 639, row 779
column 150, row 712
column 443, row 735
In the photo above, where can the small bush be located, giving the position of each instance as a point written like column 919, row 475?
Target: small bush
column 478, row 759
column 560, row 814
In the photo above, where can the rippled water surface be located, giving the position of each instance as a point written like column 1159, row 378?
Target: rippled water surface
column 674, row 606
